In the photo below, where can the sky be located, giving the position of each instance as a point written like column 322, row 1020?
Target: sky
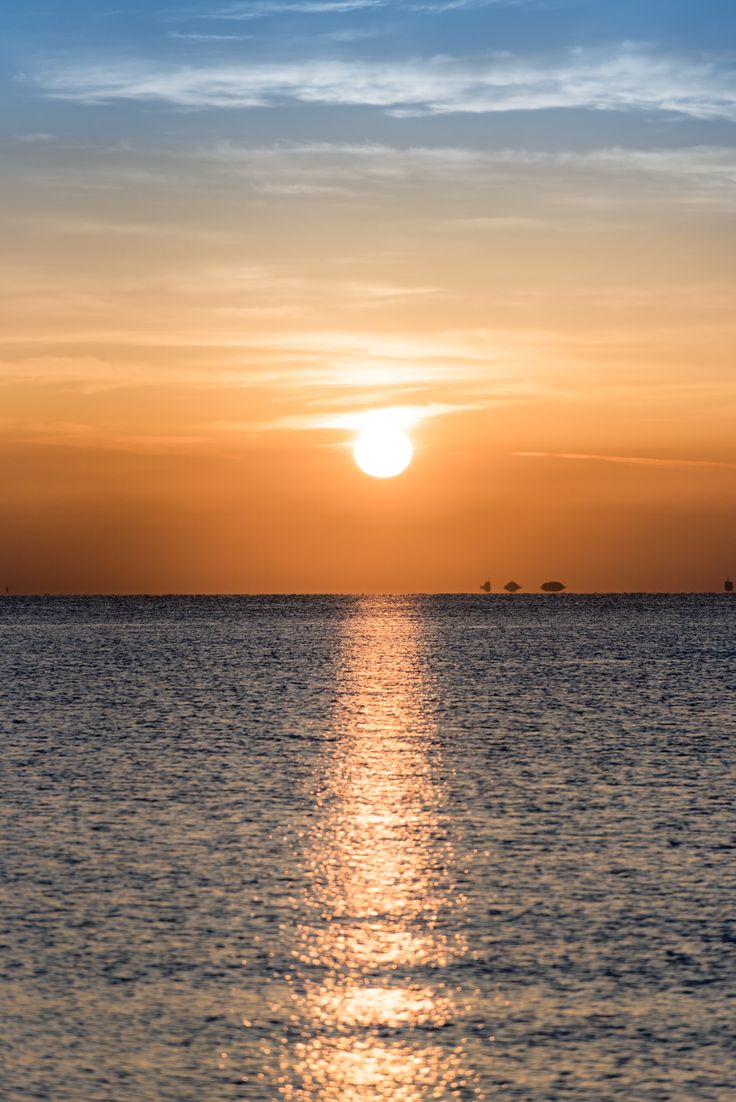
column 231, row 230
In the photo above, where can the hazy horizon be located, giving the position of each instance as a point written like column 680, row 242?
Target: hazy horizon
column 531, row 592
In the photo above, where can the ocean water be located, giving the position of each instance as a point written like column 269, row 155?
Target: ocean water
column 380, row 849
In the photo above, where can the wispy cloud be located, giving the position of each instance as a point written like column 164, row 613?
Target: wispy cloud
column 260, row 9
column 194, row 37
column 632, row 460
column 73, row 434
column 354, row 420
column 516, row 189
column 437, row 7
column 36, row 138
column 356, row 34
column 700, row 178
column 339, row 369
column 623, row 79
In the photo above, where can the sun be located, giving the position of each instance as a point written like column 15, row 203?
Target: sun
column 383, row 450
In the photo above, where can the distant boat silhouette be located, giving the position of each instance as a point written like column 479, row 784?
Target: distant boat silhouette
column 486, row 587
column 552, row 587
column 728, row 585
column 512, row 587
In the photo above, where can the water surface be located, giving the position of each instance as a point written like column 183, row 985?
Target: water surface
column 368, row 849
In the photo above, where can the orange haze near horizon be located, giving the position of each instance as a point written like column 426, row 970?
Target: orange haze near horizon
column 184, row 358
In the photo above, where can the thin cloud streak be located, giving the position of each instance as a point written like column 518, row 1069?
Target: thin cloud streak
column 633, row 460
column 262, row 9
column 625, row 79
column 406, row 416
column 697, row 177
column 182, row 36
column 344, row 367
column 72, row 434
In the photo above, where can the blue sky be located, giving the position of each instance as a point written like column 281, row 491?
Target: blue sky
column 550, row 73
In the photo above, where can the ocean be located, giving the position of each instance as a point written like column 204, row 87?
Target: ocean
column 368, row 849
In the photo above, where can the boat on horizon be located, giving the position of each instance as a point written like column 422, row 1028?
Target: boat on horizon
column 552, row 587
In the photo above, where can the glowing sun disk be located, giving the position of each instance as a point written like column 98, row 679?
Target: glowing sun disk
column 383, row 451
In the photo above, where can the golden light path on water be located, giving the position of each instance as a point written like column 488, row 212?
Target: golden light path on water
column 370, row 1000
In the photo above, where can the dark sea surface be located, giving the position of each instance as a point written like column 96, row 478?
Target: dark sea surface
column 380, row 849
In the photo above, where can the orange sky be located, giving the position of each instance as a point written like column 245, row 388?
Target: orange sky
column 192, row 322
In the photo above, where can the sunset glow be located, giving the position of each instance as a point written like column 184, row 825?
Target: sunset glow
column 227, row 228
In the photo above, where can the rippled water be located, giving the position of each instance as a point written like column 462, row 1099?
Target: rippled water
column 368, row 849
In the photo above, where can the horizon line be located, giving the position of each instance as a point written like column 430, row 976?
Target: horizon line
column 102, row 594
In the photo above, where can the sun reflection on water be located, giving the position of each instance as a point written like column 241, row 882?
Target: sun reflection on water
column 373, row 1017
